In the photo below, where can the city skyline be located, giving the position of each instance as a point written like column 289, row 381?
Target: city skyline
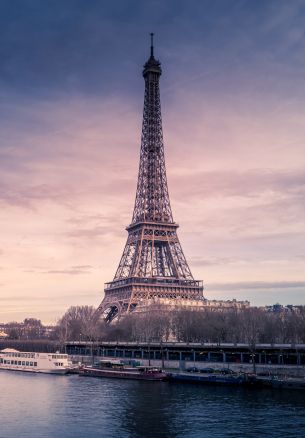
column 232, row 96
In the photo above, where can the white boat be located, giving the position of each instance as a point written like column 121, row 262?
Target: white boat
column 53, row 363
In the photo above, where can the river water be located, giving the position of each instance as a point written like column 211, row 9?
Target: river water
column 45, row 406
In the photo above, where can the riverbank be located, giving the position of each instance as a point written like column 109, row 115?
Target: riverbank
column 264, row 370
column 267, row 359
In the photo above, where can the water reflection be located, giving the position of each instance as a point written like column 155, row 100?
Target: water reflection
column 150, row 411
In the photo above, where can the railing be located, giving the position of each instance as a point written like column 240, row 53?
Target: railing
column 153, row 281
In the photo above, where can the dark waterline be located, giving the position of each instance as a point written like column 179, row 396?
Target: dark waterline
column 45, row 406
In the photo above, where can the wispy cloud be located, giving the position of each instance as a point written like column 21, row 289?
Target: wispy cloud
column 74, row 270
column 212, row 261
column 260, row 285
column 249, row 183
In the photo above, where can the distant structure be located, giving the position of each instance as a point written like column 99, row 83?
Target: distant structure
column 3, row 335
column 153, row 269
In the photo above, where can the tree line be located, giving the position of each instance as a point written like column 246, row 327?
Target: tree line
column 251, row 326
column 29, row 329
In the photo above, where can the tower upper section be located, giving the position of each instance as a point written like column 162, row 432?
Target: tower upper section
column 152, row 202
column 152, row 66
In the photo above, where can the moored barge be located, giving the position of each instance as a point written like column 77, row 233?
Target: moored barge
column 215, row 378
column 117, row 369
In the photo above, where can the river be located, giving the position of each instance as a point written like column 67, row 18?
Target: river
column 45, row 406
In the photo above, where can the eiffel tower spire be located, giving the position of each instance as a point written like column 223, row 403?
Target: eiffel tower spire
column 153, row 266
column 152, row 199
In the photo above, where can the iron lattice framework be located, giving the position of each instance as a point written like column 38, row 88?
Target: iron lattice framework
column 153, row 266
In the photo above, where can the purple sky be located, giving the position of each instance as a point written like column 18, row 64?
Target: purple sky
column 71, row 98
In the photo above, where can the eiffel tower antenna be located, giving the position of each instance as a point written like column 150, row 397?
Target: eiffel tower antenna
column 151, row 45
column 153, row 267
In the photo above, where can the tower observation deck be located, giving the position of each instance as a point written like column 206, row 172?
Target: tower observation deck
column 153, row 268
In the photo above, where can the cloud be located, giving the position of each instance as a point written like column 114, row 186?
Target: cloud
column 22, row 299
column 74, row 270
column 249, row 183
column 29, row 197
column 97, row 225
column 212, row 261
column 92, row 232
column 68, row 160
column 259, row 285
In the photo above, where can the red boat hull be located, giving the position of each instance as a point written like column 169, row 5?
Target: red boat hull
column 123, row 374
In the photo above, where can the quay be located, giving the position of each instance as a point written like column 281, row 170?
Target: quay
column 280, row 359
column 269, row 359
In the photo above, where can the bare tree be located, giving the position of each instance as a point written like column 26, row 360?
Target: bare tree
column 79, row 323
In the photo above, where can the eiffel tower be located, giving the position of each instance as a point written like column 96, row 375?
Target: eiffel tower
column 153, row 268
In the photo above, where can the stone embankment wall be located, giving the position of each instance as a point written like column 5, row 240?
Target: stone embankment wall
column 279, row 370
